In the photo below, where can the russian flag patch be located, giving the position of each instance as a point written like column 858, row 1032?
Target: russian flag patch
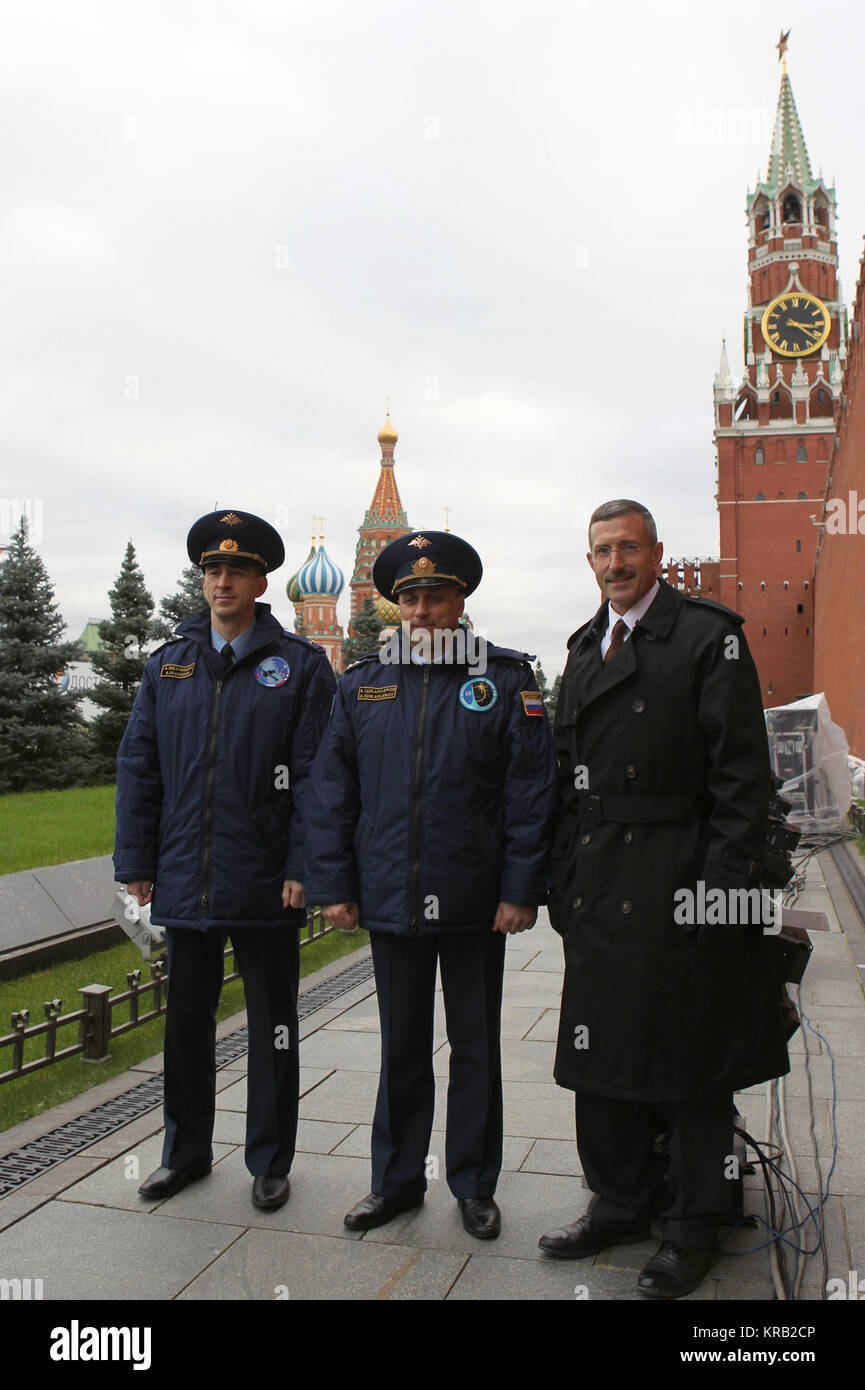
column 533, row 703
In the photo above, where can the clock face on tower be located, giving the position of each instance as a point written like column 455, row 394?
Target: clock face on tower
column 795, row 324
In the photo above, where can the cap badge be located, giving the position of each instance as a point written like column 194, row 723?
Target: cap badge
column 420, row 542
column 228, row 545
column 230, row 519
column 423, row 566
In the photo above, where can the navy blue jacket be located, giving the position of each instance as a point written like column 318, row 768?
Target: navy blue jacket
column 203, row 809
column 424, row 811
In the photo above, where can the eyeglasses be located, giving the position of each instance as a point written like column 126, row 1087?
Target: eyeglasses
column 628, row 549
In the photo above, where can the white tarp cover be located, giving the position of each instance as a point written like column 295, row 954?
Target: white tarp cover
column 809, row 752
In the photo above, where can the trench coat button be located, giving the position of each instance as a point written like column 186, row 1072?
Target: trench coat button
column 630, row 770
column 578, row 902
column 585, row 839
column 629, row 835
column 626, row 907
column 638, row 706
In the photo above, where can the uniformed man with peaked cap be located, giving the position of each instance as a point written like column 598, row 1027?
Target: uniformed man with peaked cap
column 428, row 821
column 211, row 775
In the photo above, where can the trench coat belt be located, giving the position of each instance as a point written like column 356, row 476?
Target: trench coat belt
column 635, row 810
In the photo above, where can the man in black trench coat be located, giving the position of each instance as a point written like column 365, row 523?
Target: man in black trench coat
column 664, row 782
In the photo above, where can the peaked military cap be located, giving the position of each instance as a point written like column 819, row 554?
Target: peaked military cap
column 235, row 536
column 423, row 558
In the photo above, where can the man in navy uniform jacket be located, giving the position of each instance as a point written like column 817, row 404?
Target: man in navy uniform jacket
column 429, row 821
column 211, row 775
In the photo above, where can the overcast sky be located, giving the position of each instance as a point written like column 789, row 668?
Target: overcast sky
column 229, row 230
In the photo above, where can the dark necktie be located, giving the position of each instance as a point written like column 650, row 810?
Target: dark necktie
column 227, row 657
column 616, row 640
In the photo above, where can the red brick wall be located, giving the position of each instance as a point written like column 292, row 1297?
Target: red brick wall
column 767, row 552
column 839, row 656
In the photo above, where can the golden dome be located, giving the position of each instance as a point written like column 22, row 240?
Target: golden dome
column 388, row 612
column 387, row 435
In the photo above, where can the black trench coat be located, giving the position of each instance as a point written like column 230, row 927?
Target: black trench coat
column 671, row 737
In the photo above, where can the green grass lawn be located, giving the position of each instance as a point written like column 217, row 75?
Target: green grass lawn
column 30, row 1095
column 39, row 828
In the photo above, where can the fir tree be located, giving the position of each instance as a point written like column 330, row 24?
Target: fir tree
column 550, row 696
column 367, row 626
column 44, row 741
column 184, row 603
column 552, row 700
column 122, row 658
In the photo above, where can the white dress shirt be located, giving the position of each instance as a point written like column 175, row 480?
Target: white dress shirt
column 630, row 619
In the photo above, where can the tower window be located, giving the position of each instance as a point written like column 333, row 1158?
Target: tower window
column 821, row 395
column 776, row 396
column 798, row 547
column 758, row 454
column 792, row 211
column 801, row 454
column 800, row 608
column 761, row 497
column 802, row 496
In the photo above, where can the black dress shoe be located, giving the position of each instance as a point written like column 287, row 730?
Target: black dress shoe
column 377, row 1211
column 583, row 1238
column 269, row 1193
column 164, row 1182
column 675, row 1270
column 481, row 1217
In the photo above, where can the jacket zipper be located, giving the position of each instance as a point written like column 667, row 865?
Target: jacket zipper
column 208, row 795
column 417, row 809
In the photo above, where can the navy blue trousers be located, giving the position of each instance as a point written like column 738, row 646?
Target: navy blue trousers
column 268, row 961
column 472, row 965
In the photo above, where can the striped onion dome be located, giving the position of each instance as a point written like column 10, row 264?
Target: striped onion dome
column 388, row 612
column 320, row 576
column 291, row 587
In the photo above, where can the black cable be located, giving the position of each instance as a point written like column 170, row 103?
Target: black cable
column 772, row 1225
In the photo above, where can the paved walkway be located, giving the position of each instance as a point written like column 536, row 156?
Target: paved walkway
column 83, row 1229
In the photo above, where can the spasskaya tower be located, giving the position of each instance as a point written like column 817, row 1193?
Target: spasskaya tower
column 774, row 433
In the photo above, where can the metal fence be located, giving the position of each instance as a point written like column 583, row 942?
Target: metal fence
column 95, row 1022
